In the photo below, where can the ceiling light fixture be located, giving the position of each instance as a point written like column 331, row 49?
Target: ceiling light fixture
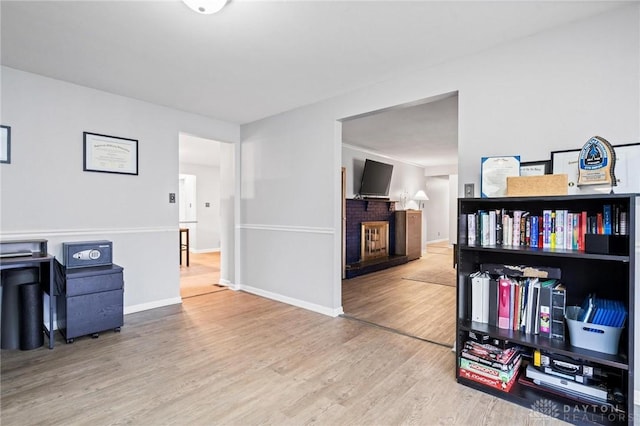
column 206, row 7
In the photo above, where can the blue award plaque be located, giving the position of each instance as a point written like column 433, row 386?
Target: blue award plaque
column 596, row 163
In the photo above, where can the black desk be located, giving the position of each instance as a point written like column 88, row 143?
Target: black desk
column 45, row 263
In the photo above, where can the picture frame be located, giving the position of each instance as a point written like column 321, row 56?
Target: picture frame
column 5, row 144
column 494, row 172
column 626, row 170
column 535, row 168
column 109, row 154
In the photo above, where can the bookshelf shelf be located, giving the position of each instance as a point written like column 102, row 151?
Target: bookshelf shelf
column 534, row 251
column 609, row 276
column 562, row 347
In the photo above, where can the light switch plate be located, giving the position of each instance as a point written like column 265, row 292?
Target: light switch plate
column 469, row 190
column 172, row 197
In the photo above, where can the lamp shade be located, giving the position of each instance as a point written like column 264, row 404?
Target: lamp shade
column 421, row 196
column 205, row 7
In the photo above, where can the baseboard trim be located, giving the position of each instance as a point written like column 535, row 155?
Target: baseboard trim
column 228, row 284
column 152, row 305
column 292, row 301
column 438, row 241
column 209, row 250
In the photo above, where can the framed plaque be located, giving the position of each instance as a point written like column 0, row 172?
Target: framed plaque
column 110, row 154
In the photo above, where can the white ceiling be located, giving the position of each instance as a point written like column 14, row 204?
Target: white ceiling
column 195, row 150
column 259, row 58
column 424, row 134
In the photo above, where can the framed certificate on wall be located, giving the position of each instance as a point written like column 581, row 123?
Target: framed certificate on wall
column 494, row 173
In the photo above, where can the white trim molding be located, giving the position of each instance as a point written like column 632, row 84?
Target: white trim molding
column 84, row 232
column 152, row 305
column 292, row 301
column 282, row 228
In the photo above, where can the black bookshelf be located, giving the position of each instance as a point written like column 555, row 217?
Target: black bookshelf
column 608, row 275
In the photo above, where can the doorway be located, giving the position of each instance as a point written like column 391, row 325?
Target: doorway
column 420, row 139
column 204, row 211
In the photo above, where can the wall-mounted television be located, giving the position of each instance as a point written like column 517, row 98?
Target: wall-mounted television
column 376, row 179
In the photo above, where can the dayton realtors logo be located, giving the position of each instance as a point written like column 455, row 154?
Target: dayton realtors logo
column 597, row 413
column 545, row 407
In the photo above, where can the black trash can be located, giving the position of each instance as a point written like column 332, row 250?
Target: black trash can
column 31, row 333
column 10, row 317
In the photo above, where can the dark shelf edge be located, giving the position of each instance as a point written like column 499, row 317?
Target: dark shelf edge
column 557, row 346
column 546, row 252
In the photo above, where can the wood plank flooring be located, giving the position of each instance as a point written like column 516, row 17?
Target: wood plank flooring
column 201, row 276
column 417, row 308
column 232, row 358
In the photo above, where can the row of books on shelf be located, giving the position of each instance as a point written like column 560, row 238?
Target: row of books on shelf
column 552, row 229
column 499, row 364
column 525, row 304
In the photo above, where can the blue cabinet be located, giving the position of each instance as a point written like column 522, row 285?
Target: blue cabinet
column 90, row 301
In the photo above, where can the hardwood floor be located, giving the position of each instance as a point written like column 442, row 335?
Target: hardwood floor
column 201, row 276
column 232, row 358
column 417, row 308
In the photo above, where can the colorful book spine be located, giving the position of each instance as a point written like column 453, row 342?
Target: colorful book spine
column 490, row 372
column 582, row 231
column 493, row 383
column 546, row 229
column 517, row 215
column 607, row 219
column 534, row 231
column 504, row 302
column 471, row 229
column 560, row 228
column 552, row 236
column 568, row 235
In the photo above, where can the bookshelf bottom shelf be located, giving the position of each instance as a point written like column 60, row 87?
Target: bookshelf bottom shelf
column 545, row 403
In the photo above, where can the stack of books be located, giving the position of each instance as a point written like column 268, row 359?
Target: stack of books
column 490, row 364
column 528, row 305
column 546, row 229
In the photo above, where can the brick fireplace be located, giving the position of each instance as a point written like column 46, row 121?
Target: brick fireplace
column 359, row 211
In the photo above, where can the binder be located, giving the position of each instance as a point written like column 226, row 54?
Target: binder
column 493, row 302
column 480, row 297
column 504, row 302
column 558, row 301
column 545, row 307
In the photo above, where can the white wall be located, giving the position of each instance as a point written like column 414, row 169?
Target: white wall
column 436, row 210
column 207, row 228
column 547, row 92
column 46, row 194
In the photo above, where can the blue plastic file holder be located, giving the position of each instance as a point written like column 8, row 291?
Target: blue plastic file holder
column 594, row 337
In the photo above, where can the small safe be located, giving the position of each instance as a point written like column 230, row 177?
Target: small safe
column 89, row 300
